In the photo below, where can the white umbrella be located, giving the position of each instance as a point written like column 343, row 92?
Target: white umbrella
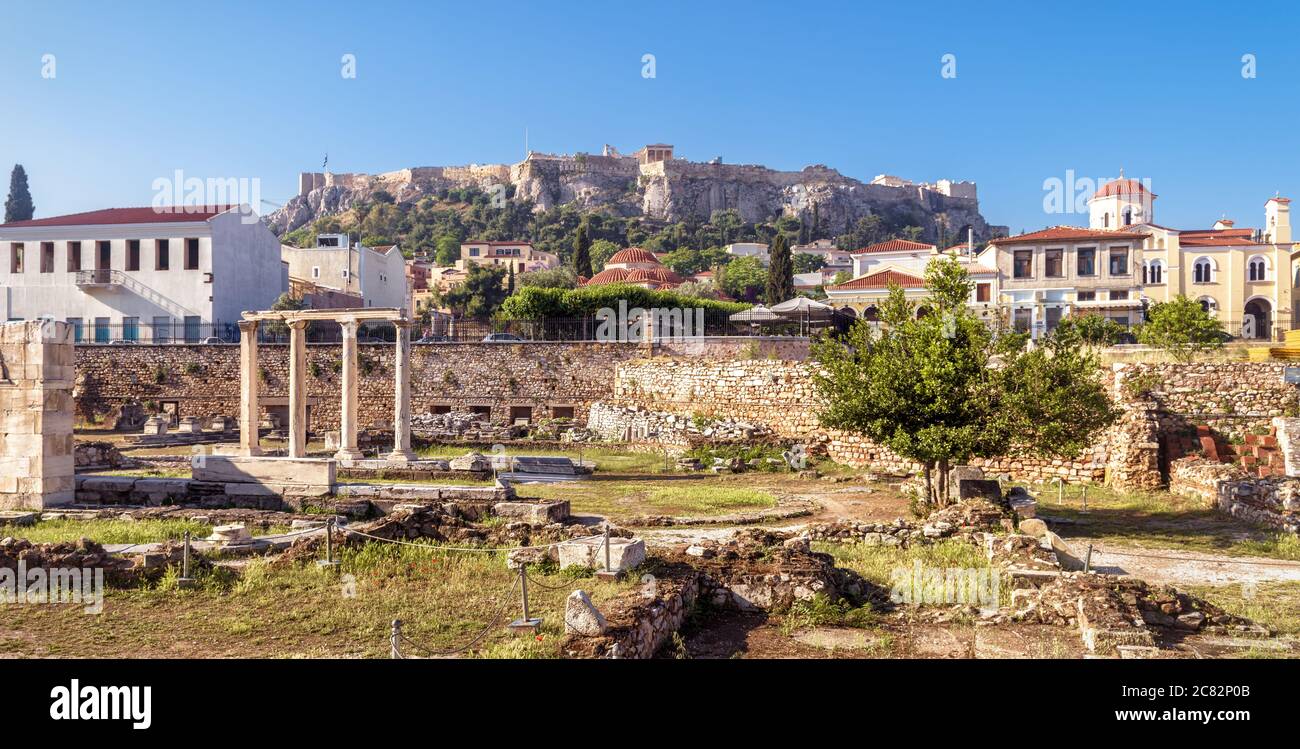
column 757, row 313
column 802, row 306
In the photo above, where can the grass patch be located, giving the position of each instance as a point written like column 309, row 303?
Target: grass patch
column 1274, row 605
column 107, row 531
column 605, row 459
column 701, row 496
column 272, row 610
column 821, row 611
column 1160, row 520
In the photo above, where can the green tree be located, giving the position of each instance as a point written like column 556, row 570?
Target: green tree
column 601, row 251
column 743, row 278
column 510, row 280
column 1182, row 327
column 842, row 277
column 806, row 262
column 19, row 207
column 479, row 295
column 1093, row 329
column 448, row 250
column 780, row 272
column 562, row 277
column 582, row 252
column 944, row 388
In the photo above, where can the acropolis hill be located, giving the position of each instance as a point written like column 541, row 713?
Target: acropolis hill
column 655, row 184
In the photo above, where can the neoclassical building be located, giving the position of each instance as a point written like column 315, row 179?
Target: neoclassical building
column 902, row 263
column 1123, row 262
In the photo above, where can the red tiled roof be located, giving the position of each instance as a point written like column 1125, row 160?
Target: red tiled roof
column 632, row 255
column 660, row 275
column 1278, row 200
column 895, row 245
column 118, row 216
column 1067, row 234
column 1122, row 187
column 880, row 280
column 1216, row 237
column 609, row 275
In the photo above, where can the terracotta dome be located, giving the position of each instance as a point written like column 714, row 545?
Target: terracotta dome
column 609, row 275
column 632, row 255
column 1122, row 187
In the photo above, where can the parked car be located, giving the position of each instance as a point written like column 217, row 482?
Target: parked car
column 502, row 338
column 435, row 339
column 122, row 342
column 213, row 339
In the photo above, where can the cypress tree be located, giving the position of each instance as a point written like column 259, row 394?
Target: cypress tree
column 19, row 205
column 582, row 252
column 780, row 272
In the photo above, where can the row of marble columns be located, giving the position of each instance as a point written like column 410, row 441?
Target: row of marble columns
column 250, row 376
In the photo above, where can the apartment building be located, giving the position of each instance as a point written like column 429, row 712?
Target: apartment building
column 375, row 275
column 141, row 274
column 519, row 255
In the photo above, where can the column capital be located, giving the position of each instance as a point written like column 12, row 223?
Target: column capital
column 298, row 324
column 403, row 324
column 350, row 326
column 247, row 326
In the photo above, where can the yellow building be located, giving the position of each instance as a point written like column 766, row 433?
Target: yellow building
column 1124, row 262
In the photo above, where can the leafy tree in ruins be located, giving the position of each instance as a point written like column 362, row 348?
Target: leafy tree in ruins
column 479, row 295
column 945, row 388
column 19, row 207
column 780, row 272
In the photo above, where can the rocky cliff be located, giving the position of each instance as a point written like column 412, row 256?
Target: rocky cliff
column 670, row 190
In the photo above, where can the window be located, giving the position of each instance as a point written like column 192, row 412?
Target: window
column 484, row 411
column 473, row 252
column 1209, row 304
column 1085, row 296
column 47, row 257
column 133, row 254
column 1023, row 264
column 131, row 328
column 1119, row 262
column 442, row 409
column 78, row 331
column 1023, row 320
column 345, row 272
column 191, row 254
column 983, row 292
column 1257, row 269
column 315, row 271
column 1052, row 318
column 104, row 255
column 521, row 413
column 15, row 257
column 101, row 330
column 1202, row 270
column 1116, row 294
column 74, row 257
column 562, row 412
column 1105, row 221
column 1153, row 272
column 1086, row 261
column 1054, row 263
column 1128, row 216
column 162, row 254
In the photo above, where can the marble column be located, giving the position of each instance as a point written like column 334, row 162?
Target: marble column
column 348, row 409
column 250, row 413
column 298, row 389
column 402, row 394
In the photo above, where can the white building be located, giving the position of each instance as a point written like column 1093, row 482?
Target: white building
column 141, row 274
column 749, row 249
column 377, row 275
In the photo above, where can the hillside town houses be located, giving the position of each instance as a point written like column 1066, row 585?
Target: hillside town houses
column 148, row 275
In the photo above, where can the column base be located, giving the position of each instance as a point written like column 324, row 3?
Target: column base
column 250, row 451
column 401, row 456
column 345, row 454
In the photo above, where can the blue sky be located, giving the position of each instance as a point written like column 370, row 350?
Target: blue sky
column 249, row 90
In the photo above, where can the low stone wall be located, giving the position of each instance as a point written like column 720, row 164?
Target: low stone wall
column 633, row 424
column 1271, row 501
column 1155, row 400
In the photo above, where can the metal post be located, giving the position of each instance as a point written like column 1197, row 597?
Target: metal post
column 185, row 580
column 1060, row 491
column 526, row 623
column 394, row 640
column 1087, row 560
column 328, row 561
column 1085, row 498
column 608, row 573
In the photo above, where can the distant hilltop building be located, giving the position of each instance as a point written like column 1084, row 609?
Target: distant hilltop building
column 657, row 184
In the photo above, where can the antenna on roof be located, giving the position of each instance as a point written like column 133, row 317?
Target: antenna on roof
column 327, row 161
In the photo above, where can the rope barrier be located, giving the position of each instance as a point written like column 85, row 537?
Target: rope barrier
column 482, row 550
column 501, row 610
column 544, row 586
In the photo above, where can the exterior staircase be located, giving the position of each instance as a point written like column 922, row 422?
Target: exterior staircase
column 1288, row 351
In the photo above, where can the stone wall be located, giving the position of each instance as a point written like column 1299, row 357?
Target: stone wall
column 203, row 380
column 1272, row 501
column 1157, row 401
column 36, row 443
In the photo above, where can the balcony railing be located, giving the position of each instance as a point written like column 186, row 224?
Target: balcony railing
column 99, row 277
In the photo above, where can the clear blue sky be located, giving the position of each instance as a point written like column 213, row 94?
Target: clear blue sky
column 230, row 89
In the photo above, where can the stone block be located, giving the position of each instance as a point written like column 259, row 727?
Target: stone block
column 581, row 617
column 278, row 472
column 534, row 513
column 624, row 553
